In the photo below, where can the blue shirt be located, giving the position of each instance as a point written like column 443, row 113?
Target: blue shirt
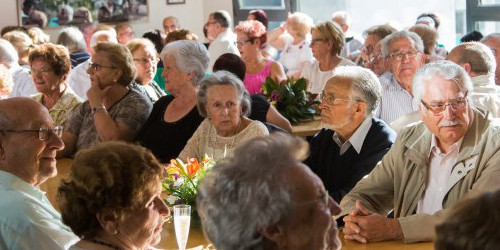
column 27, row 219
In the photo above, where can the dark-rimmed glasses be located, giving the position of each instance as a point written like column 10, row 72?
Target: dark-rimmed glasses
column 242, row 42
column 315, row 40
column 438, row 108
column 43, row 132
column 97, row 67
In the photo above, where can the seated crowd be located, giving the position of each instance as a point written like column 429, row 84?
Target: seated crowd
column 409, row 141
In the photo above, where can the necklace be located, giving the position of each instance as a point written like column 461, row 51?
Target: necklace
column 231, row 146
column 105, row 244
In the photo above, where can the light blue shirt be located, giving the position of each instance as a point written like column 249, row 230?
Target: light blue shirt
column 27, row 219
column 395, row 101
column 357, row 138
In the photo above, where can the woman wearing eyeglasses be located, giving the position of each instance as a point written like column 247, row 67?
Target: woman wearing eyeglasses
column 326, row 44
column 145, row 59
column 50, row 65
column 251, row 36
column 113, row 110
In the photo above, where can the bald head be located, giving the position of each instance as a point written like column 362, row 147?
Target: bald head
column 17, row 110
column 475, row 57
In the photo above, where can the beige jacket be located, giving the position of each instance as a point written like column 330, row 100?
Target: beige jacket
column 398, row 181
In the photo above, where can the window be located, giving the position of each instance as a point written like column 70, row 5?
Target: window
column 277, row 10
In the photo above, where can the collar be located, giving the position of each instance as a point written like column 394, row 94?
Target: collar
column 483, row 80
column 357, row 138
column 437, row 151
column 10, row 181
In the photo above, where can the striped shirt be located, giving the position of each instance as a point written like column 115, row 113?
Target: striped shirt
column 395, row 100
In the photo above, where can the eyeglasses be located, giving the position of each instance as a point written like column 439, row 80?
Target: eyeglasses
column 314, row 40
column 374, row 58
column 97, row 67
column 40, row 71
column 242, row 42
column 438, row 108
column 331, row 99
column 43, row 132
column 408, row 54
column 323, row 197
column 368, row 49
column 146, row 60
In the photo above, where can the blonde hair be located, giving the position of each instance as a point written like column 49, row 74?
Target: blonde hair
column 300, row 23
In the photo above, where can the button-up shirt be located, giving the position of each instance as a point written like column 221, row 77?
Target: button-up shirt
column 395, row 100
column 357, row 138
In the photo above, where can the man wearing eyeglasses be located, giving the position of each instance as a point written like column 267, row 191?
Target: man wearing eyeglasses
column 404, row 53
column 352, row 141
column 28, row 145
column 452, row 154
column 219, row 27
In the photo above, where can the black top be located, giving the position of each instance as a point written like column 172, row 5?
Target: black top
column 167, row 139
column 259, row 108
column 340, row 173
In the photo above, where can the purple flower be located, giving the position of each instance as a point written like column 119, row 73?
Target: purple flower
column 275, row 96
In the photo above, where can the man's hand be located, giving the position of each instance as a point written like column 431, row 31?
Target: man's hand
column 365, row 226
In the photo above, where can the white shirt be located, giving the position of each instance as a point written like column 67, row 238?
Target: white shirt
column 79, row 80
column 292, row 56
column 222, row 44
column 316, row 79
column 395, row 100
column 440, row 167
column 486, row 95
column 24, row 86
column 356, row 139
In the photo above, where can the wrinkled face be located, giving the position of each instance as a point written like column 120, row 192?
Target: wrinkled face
column 404, row 61
column 170, row 25
column 46, row 81
column 378, row 62
column 247, row 48
column 494, row 44
column 34, row 159
column 369, row 45
column 104, row 74
column 125, row 35
column 141, row 228
column 212, row 27
column 145, row 64
column 320, row 46
column 312, row 226
column 336, row 108
column 452, row 124
column 175, row 79
column 224, row 109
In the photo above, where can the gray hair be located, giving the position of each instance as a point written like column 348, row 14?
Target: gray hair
column 444, row 69
column 490, row 36
column 110, row 33
column 364, row 85
column 235, row 200
column 8, row 53
column 343, row 15
column 72, row 38
column 417, row 42
column 478, row 55
column 190, row 57
column 220, row 78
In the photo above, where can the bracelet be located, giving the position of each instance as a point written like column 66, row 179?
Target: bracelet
column 95, row 109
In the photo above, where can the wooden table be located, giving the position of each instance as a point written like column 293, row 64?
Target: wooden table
column 309, row 128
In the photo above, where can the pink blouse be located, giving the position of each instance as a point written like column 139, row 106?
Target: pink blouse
column 253, row 82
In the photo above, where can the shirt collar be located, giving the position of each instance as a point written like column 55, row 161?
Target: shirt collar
column 357, row 138
column 483, row 80
column 437, row 151
column 11, row 181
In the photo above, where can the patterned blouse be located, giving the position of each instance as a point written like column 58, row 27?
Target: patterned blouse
column 67, row 103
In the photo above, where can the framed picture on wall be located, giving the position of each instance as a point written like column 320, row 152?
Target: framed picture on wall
column 49, row 13
column 176, row 1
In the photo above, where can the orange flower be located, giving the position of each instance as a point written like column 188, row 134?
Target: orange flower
column 192, row 167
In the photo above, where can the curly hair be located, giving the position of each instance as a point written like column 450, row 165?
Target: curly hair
column 57, row 56
column 253, row 29
column 120, row 58
column 111, row 177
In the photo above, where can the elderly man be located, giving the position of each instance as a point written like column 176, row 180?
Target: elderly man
column 493, row 41
column 265, row 198
column 23, row 82
column 352, row 46
column 124, row 33
column 404, row 52
column 373, row 36
column 219, row 27
column 453, row 153
column 352, row 141
column 479, row 62
column 170, row 23
column 28, row 145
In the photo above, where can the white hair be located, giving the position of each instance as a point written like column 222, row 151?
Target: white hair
column 8, row 53
column 110, row 33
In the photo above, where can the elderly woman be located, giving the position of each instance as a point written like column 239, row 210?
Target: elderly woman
column 22, row 42
column 113, row 111
column 294, row 43
column 73, row 39
column 102, row 219
column 145, row 59
column 326, row 44
column 50, row 65
column 251, row 36
column 224, row 102
column 174, row 117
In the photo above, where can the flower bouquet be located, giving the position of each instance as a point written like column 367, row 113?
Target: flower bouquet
column 291, row 98
column 183, row 179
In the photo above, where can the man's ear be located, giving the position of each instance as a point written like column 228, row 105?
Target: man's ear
column 275, row 234
column 467, row 67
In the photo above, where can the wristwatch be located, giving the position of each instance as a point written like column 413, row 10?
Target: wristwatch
column 95, row 109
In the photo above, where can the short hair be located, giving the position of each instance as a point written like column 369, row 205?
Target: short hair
column 300, row 23
column 473, row 36
column 8, row 53
column 120, row 58
column 190, row 57
column 471, row 224
column 6, row 82
column 479, row 56
column 20, row 40
column 381, row 31
column 73, row 39
column 415, row 39
column 121, row 26
column 97, row 34
column 222, row 17
column 237, row 183
column 172, row 17
column 429, row 36
column 444, row 69
column 433, row 16
column 57, row 56
column 38, row 36
column 10, row 28
column 490, row 36
column 221, row 78
column 343, row 15
column 181, row 34
column 110, row 177
column 261, row 16
column 253, row 29
column 155, row 37
column 232, row 63
column 333, row 33
column 364, row 85
column 69, row 10
column 138, row 43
